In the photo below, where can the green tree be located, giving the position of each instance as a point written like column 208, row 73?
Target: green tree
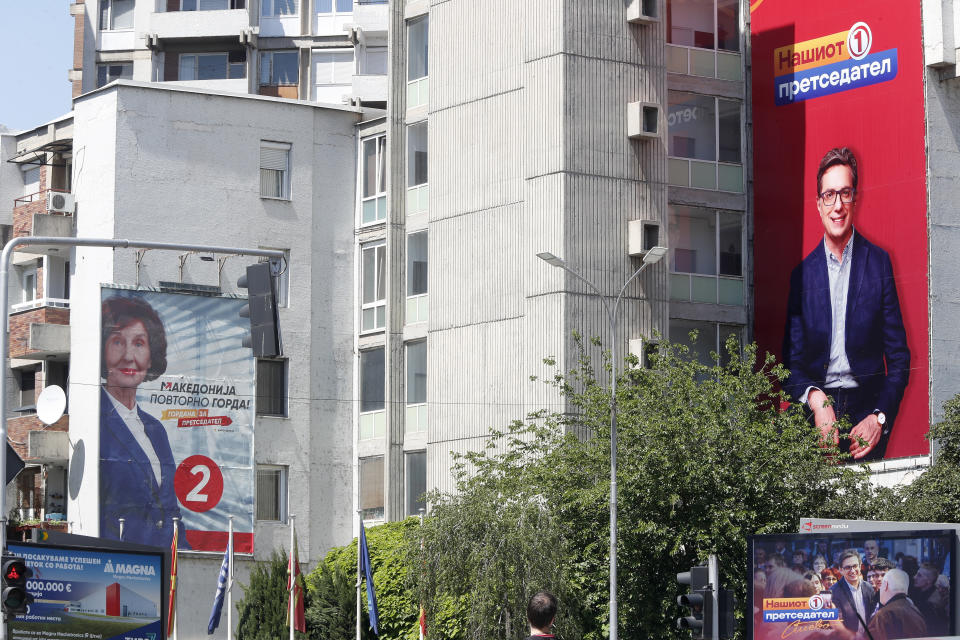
column 331, row 614
column 263, row 609
column 935, row 495
column 706, row 457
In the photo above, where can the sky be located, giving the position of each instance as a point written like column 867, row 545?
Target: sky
column 36, row 51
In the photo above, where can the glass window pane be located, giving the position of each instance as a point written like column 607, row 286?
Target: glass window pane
column 212, row 66
column 731, row 244
column 344, row 6
column 374, row 61
column 187, row 67
column 418, row 39
column 271, row 493
column 416, row 372
column 369, row 169
column 371, row 488
column 417, row 154
column 372, row 380
column 690, row 23
column 416, row 476
column 693, row 239
column 324, row 6
column 123, row 14
column 382, row 164
column 285, row 7
column 105, row 15
column 728, row 25
column 706, row 337
column 381, row 268
column 691, row 124
column 417, row 263
column 368, row 265
column 285, row 68
column 729, row 114
column 271, row 387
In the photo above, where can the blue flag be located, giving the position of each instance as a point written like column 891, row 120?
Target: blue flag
column 221, row 589
column 368, row 574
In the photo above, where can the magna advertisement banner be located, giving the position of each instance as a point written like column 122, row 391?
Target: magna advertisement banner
column 100, row 595
column 176, row 420
column 841, row 254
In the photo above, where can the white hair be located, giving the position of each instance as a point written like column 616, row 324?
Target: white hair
column 897, row 580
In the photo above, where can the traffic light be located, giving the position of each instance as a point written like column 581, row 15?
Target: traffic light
column 261, row 308
column 699, row 600
column 726, row 604
column 15, row 595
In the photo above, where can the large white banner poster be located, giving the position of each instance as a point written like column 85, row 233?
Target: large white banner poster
column 176, row 419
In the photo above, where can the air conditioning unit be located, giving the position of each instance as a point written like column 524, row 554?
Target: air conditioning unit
column 642, row 235
column 643, row 11
column 60, row 202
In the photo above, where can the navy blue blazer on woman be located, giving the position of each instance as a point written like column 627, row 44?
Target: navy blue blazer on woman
column 876, row 342
column 128, row 486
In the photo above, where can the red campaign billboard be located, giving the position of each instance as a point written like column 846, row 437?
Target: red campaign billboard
column 841, row 268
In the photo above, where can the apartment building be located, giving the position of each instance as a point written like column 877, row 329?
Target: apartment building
column 106, row 171
column 331, row 51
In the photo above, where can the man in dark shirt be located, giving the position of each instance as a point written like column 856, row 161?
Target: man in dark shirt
column 541, row 611
column 897, row 617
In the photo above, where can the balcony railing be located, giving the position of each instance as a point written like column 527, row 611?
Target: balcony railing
column 36, row 197
column 37, row 303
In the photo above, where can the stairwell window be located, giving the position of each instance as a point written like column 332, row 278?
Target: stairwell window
column 275, row 170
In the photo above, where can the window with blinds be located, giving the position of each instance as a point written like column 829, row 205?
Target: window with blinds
column 271, row 495
column 271, row 387
column 275, row 170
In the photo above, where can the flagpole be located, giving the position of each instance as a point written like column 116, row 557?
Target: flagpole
column 291, row 580
column 176, row 618
column 359, row 578
column 230, row 578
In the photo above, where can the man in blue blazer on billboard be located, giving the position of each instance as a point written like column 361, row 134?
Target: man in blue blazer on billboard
column 844, row 334
column 852, row 595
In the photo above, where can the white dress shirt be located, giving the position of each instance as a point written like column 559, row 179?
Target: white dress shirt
column 132, row 419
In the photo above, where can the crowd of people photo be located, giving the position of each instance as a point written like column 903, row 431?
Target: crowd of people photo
column 873, row 588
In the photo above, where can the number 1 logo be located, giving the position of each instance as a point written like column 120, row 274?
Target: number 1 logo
column 859, row 40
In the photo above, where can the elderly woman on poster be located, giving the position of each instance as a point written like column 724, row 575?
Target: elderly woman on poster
column 136, row 462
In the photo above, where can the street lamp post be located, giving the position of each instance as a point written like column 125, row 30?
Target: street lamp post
column 650, row 257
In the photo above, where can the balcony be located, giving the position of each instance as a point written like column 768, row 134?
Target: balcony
column 184, row 25
column 370, row 88
column 36, row 442
column 40, row 329
column 371, row 17
column 32, row 217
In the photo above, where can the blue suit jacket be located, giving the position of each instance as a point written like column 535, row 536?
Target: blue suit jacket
column 873, row 328
column 128, row 486
column 843, row 601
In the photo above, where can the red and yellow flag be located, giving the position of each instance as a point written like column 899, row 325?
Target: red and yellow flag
column 173, row 582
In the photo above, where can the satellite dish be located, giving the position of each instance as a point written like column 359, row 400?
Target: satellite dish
column 50, row 404
column 77, row 462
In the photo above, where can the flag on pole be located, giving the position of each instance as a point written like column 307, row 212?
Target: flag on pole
column 423, row 623
column 214, row 621
column 368, row 574
column 171, row 606
column 295, row 588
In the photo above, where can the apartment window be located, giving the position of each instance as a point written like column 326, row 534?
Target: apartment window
column 278, row 7
column 415, row 473
column 706, row 255
column 416, row 359
column 211, row 5
column 372, row 394
column 213, row 66
column 279, row 68
column 711, row 336
column 271, row 494
column 31, row 181
column 704, row 142
column 374, row 295
column 418, row 66
column 417, row 302
column 333, row 68
column 28, row 284
column 275, row 170
column 271, row 387
column 690, row 23
column 371, row 488
column 116, row 14
column 703, row 38
column 334, row 6
column 107, row 73
column 374, row 175
column 28, row 385
column 373, row 61
column 417, row 147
